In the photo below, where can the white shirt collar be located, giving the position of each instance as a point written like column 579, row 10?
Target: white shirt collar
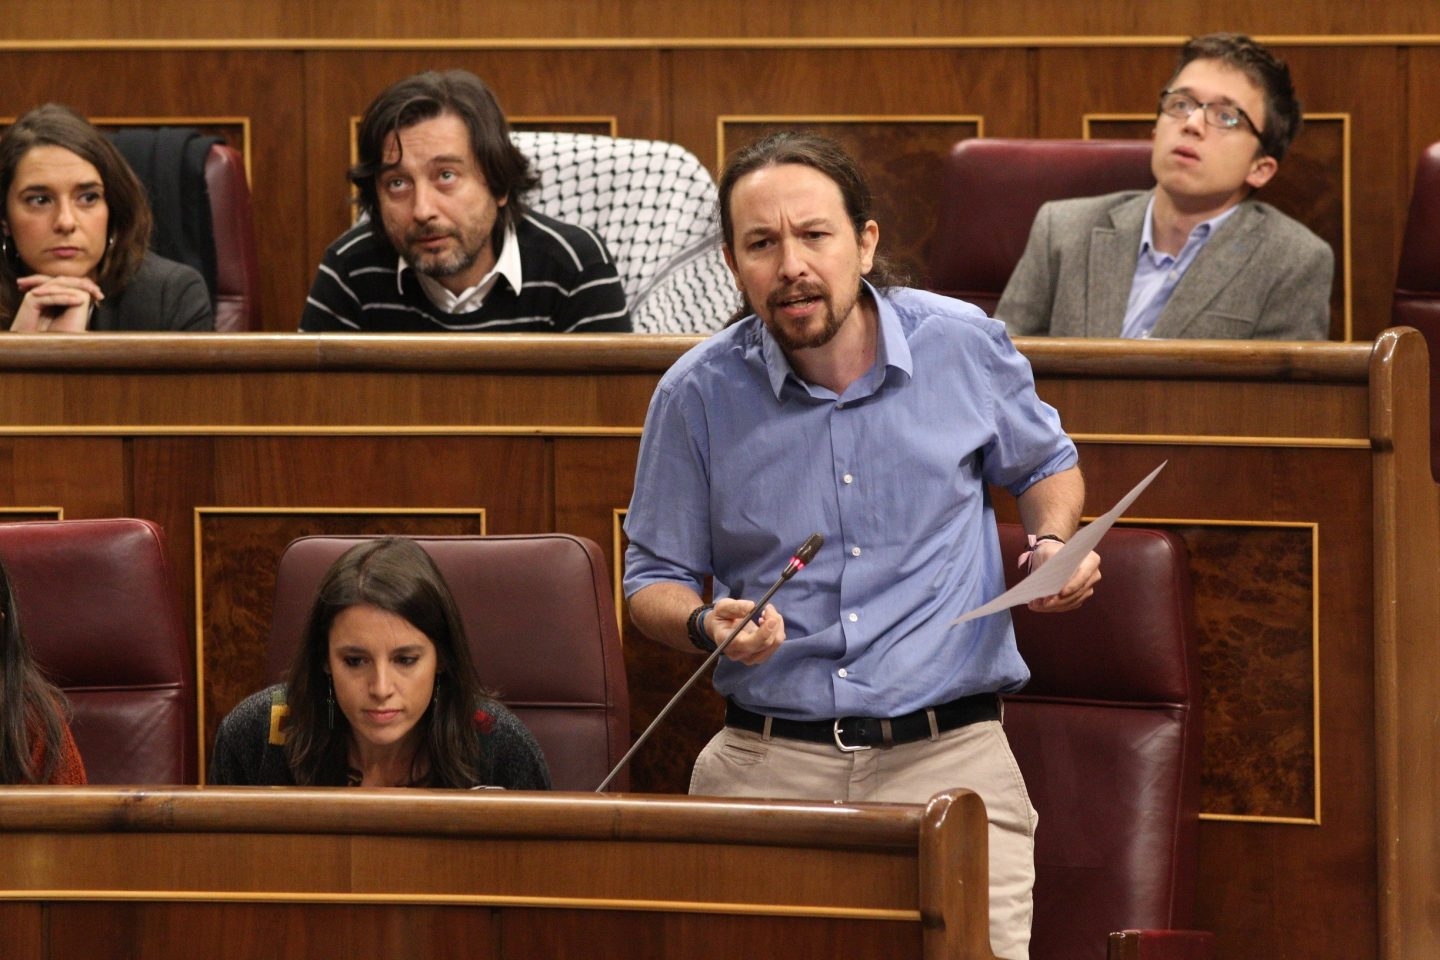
column 472, row 298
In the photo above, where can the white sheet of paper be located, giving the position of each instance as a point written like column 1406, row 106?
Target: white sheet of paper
column 1055, row 573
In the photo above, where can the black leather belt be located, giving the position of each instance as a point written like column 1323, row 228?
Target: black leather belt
column 861, row 733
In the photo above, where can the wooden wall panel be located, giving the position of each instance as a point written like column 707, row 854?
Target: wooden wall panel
column 339, row 85
column 24, row 926
column 82, row 476
column 276, row 931
column 260, row 85
column 706, row 84
column 1364, row 89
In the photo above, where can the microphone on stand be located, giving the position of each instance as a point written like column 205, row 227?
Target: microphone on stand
column 802, row 556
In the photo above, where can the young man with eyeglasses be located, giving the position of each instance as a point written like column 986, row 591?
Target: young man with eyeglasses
column 1198, row 256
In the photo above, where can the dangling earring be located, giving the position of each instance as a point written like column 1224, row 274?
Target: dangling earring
column 330, row 705
column 110, row 242
column 435, row 693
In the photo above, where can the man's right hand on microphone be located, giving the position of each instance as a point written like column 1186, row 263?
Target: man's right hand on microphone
column 755, row 642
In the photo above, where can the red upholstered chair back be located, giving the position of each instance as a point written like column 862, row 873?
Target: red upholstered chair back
column 1107, row 734
column 540, row 617
column 237, row 262
column 99, row 610
column 992, row 189
column 1417, row 285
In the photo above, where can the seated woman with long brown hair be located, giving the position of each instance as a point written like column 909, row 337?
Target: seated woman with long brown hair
column 35, row 741
column 74, row 236
column 382, row 692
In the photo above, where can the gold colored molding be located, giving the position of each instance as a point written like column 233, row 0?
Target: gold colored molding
column 541, row 44
column 59, row 512
column 1221, row 440
column 463, row 899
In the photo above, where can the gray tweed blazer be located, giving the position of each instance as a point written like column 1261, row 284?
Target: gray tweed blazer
column 1262, row 275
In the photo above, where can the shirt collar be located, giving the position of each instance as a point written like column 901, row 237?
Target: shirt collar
column 507, row 265
column 892, row 351
column 1201, row 232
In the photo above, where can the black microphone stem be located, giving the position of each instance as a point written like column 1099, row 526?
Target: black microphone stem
column 797, row 562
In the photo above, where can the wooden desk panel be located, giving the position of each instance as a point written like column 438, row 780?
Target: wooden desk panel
column 1298, row 474
column 303, row 873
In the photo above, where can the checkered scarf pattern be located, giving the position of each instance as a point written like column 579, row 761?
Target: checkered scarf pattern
column 653, row 203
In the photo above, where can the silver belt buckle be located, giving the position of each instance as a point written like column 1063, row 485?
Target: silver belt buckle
column 841, row 745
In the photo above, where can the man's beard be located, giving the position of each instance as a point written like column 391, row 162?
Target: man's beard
column 787, row 337
column 444, row 264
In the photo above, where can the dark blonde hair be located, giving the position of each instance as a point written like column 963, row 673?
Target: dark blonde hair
column 54, row 125
column 396, row 575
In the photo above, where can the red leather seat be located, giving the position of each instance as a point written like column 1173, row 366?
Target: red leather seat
column 99, row 610
column 539, row 613
column 1107, row 733
column 1417, row 284
column 237, row 262
column 991, row 190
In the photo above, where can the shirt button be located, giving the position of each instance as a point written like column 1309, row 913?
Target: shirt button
column 854, row 551
column 854, row 617
column 843, row 673
column 848, row 479
column 840, row 405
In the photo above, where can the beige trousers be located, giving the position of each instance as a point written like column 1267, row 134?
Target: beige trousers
column 738, row 763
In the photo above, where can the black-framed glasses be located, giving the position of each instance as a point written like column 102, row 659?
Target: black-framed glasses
column 1218, row 114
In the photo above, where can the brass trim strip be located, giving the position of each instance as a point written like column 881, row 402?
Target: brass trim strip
column 1219, row 440
column 617, row 573
column 340, row 44
column 1244, row 818
column 462, row 899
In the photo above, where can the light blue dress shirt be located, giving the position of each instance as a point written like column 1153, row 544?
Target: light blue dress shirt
column 740, row 461
column 1157, row 274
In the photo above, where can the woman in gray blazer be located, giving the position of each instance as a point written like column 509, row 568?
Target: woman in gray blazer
column 74, row 233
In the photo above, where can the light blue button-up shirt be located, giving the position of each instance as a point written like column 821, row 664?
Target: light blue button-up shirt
column 1157, row 274
column 741, row 461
